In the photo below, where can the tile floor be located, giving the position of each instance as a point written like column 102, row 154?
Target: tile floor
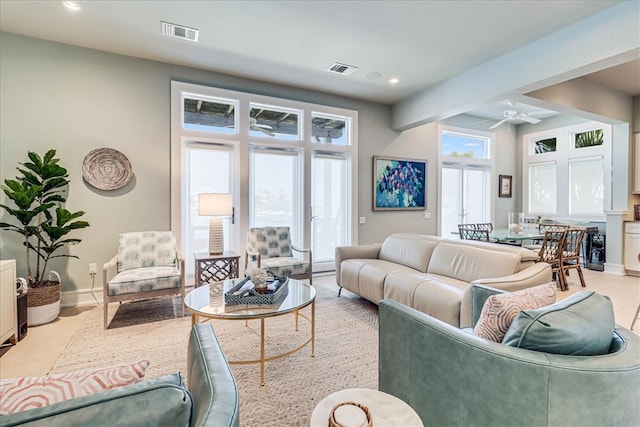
column 37, row 352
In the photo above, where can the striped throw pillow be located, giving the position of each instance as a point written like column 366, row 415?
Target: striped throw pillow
column 20, row 394
column 499, row 310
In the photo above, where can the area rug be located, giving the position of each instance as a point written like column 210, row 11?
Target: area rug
column 346, row 351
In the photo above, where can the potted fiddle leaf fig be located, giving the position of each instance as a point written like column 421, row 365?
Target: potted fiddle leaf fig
column 38, row 194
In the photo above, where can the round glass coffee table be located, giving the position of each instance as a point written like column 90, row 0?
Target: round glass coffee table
column 207, row 302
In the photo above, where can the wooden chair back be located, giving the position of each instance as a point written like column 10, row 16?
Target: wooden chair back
column 551, row 226
column 573, row 244
column 551, row 253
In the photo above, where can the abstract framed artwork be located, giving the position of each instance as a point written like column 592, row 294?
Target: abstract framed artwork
column 399, row 183
column 504, row 185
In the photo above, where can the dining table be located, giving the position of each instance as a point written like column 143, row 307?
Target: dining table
column 505, row 235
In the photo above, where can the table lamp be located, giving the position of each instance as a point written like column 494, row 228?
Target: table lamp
column 215, row 206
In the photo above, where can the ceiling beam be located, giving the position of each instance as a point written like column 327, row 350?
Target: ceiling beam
column 603, row 40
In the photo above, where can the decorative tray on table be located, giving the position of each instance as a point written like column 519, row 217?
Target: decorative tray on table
column 244, row 292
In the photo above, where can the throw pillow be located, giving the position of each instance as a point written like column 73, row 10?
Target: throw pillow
column 499, row 310
column 19, row 394
column 580, row 325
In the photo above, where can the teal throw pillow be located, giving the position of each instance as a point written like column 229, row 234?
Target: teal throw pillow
column 580, row 325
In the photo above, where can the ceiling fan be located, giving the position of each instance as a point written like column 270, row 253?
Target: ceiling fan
column 266, row 129
column 509, row 115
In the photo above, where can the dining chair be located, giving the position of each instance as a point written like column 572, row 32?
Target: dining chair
column 471, row 225
column 472, row 233
column 551, row 253
column 571, row 254
column 537, row 244
column 484, row 226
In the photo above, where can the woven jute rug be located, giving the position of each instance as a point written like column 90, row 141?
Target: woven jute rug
column 346, row 351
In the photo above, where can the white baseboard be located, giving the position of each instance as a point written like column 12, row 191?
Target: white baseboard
column 80, row 298
column 617, row 269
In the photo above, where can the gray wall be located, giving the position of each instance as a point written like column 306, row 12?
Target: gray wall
column 76, row 100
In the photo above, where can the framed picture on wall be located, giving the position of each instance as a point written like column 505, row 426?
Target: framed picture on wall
column 504, row 185
column 399, row 184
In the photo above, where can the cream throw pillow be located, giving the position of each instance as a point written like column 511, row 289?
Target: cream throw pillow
column 499, row 310
column 19, row 394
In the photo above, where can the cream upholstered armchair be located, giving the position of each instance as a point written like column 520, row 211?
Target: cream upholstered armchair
column 147, row 265
column 270, row 248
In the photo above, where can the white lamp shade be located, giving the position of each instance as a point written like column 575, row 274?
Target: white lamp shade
column 215, row 204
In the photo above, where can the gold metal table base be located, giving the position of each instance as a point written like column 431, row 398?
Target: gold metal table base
column 312, row 320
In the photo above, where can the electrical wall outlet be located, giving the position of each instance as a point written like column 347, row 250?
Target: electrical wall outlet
column 92, row 268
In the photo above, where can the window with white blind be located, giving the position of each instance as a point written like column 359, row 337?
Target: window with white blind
column 567, row 172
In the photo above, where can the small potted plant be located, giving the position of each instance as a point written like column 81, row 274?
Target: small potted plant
column 43, row 223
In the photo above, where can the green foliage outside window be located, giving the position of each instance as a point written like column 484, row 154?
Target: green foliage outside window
column 590, row 138
column 545, row 145
column 468, row 154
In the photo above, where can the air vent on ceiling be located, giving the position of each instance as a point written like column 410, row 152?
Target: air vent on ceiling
column 343, row 69
column 179, row 31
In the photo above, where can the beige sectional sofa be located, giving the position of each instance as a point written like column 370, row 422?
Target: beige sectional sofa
column 434, row 275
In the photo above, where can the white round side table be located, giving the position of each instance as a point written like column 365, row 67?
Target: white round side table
column 386, row 410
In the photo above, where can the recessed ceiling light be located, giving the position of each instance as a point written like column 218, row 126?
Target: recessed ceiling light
column 372, row 75
column 393, row 81
column 71, row 5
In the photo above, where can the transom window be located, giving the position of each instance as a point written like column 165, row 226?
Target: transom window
column 268, row 122
column 567, row 171
column 464, row 145
column 209, row 114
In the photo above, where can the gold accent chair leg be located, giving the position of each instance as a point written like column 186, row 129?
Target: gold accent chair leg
column 635, row 317
column 262, row 351
column 313, row 328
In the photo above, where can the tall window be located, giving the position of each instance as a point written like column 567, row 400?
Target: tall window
column 274, row 190
column 209, row 168
column 329, row 204
column 286, row 163
column 567, row 172
column 465, row 173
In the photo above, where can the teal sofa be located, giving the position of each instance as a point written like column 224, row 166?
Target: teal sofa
column 452, row 378
column 210, row 400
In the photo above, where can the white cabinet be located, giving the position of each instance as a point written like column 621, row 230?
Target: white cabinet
column 8, row 306
column 632, row 246
column 636, row 163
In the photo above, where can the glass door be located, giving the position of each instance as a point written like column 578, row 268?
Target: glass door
column 207, row 170
column 329, row 207
column 451, row 210
column 275, row 190
column 466, row 196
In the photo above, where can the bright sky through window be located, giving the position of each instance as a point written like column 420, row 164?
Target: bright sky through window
column 463, row 145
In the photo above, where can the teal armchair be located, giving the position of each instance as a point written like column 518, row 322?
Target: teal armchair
column 452, row 378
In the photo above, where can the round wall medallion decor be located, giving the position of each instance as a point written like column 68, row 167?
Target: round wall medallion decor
column 106, row 169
